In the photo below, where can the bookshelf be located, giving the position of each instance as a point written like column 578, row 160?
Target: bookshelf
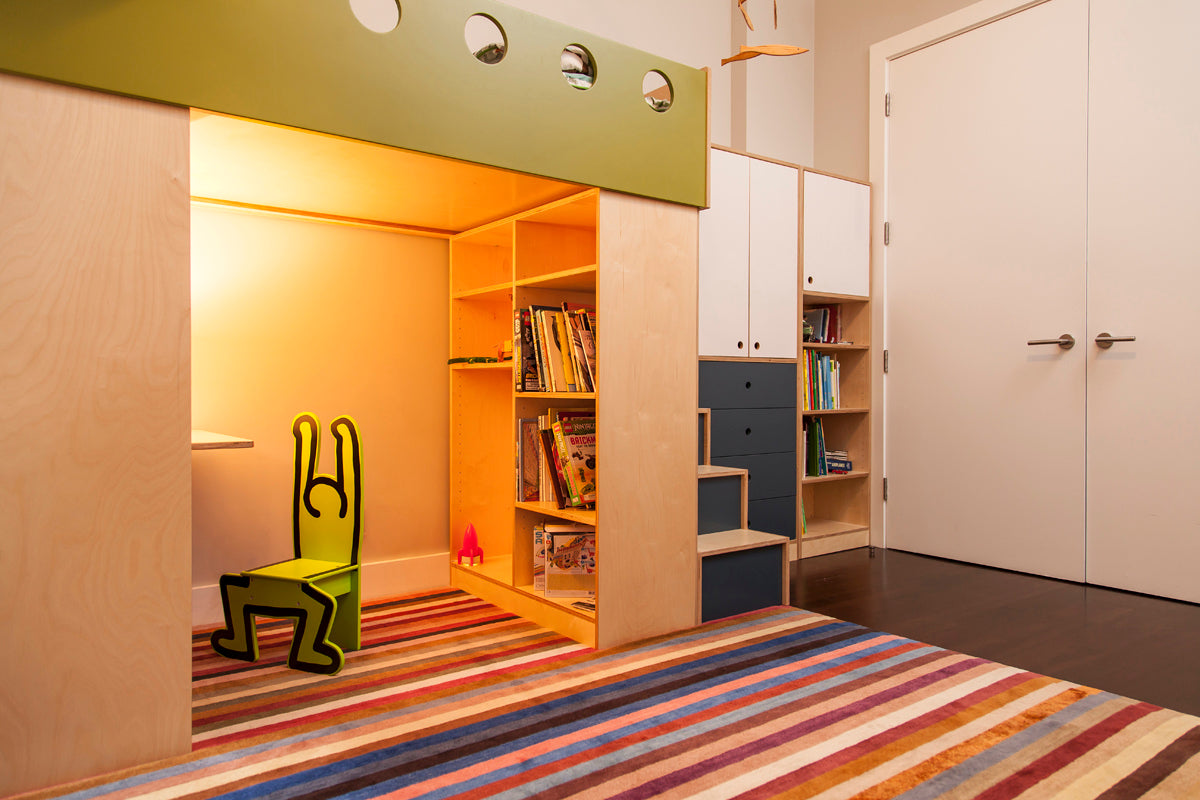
column 837, row 507
column 630, row 258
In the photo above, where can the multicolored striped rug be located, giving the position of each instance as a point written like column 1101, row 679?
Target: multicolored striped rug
column 452, row 698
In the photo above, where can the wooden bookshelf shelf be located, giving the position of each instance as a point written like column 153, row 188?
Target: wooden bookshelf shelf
column 558, row 395
column 586, row 516
column 835, row 346
column 849, row 476
column 819, row 528
column 830, row 298
column 499, row 291
column 829, row 412
column 487, row 365
column 580, row 279
column 712, row 544
column 207, row 440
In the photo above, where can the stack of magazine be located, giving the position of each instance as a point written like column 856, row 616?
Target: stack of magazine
column 554, row 348
column 556, row 458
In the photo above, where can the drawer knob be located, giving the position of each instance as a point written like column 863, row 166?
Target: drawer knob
column 747, row 431
column 740, row 345
column 756, row 345
column 747, row 384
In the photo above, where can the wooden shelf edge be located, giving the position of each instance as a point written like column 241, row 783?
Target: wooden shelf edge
column 815, row 412
column 552, row 277
column 207, row 440
column 837, row 346
column 834, row 543
column 821, row 298
column 711, row 471
column 486, row 365
column 482, row 291
column 586, row 516
column 558, row 395
column 849, row 476
column 822, row 528
column 718, row 542
column 547, row 612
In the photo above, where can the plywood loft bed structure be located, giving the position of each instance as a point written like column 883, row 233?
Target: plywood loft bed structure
column 134, row 155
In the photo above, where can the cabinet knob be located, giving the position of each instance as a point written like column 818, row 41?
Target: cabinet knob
column 756, row 345
column 740, row 345
column 747, row 431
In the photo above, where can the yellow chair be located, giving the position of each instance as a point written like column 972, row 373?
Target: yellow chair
column 320, row 586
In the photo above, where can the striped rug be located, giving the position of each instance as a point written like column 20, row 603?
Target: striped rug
column 452, row 698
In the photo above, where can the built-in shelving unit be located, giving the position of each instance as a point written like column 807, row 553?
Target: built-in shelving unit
column 837, row 508
column 553, row 254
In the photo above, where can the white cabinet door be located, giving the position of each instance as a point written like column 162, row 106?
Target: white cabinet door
column 724, row 259
column 986, row 193
column 1143, row 169
column 837, row 235
column 774, row 268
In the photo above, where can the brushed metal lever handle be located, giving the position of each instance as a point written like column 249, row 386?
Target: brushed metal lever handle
column 1066, row 341
column 1106, row 339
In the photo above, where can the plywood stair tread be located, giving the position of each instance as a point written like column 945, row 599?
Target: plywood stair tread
column 711, row 544
column 711, row 471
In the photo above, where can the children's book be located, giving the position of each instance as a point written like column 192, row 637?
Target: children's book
column 571, row 565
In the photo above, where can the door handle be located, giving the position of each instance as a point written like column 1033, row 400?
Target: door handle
column 1105, row 340
column 1066, row 341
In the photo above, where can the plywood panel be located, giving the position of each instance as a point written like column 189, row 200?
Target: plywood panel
column 292, row 316
column 646, row 447
column 94, row 421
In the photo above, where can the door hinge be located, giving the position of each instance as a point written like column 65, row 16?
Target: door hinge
column 887, row 104
column 885, row 490
column 887, row 233
column 885, row 361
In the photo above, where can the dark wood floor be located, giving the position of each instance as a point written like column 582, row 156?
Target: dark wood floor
column 1141, row 647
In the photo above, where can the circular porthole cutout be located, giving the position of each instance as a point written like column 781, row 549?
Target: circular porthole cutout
column 379, row 16
column 485, row 39
column 657, row 90
column 578, row 66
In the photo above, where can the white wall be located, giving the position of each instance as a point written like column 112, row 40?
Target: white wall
column 763, row 106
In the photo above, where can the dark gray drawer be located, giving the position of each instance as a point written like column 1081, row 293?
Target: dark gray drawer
column 720, row 504
column 771, row 474
column 730, row 384
column 745, row 431
column 741, row 581
column 774, row 515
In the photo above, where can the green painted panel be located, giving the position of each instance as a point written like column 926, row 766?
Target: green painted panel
column 312, row 65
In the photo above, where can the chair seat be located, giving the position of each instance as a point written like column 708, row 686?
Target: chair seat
column 301, row 569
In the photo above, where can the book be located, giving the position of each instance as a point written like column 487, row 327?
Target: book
column 564, row 460
column 579, row 438
column 528, row 461
column 539, row 557
column 524, row 353
column 553, row 469
column 563, row 335
column 571, row 564
column 554, row 359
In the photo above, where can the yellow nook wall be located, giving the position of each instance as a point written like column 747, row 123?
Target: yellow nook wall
column 291, row 315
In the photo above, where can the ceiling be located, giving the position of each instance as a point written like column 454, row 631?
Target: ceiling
column 261, row 165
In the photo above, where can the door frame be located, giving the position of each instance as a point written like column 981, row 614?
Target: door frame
column 882, row 54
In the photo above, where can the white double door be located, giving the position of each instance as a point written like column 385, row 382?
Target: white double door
column 1041, row 179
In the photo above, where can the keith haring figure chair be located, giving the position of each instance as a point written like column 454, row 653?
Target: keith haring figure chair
column 320, row 586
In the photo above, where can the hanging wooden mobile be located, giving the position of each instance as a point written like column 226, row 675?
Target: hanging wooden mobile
column 747, row 52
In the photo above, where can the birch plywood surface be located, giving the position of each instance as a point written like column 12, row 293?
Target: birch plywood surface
column 646, row 507
column 94, row 422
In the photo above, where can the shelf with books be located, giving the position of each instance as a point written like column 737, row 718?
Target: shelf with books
column 558, row 261
column 835, row 506
column 585, row 515
column 844, row 476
